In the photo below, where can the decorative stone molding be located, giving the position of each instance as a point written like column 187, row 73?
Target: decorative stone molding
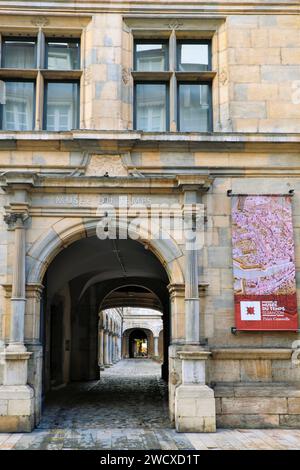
column 178, row 290
column 16, row 356
column 251, row 353
column 174, row 25
column 223, row 77
column 106, row 165
column 126, row 75
column 40, row 21
column 34, row 291
column 194, row 355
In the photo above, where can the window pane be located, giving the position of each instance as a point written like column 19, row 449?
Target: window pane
column 63, row 55
column 194, row 108
column 62, row 106
column 17, row 112
column 19, row 54
column 151, row 107
column 193, row 57
column 150, row 57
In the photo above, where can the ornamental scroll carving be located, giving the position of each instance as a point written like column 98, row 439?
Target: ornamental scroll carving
column 106, row 165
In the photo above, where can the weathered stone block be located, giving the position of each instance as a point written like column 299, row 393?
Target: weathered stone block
column 284, row 37
column 294, row 405
column 195, row 409
column 224, row 371
column 243, row 21
column 259, row 37
column 16, row 423
column 289, row 421
column 279, row 125
column 197, row 424
column 248, row 421
column 245, row 73
column 20, row 407
column 279, row 73
column 239, row 36
column 256, row 370
column 258, row 56
column 253, row 405
column 290, row 55
column 282, row 371
column 265, row 390
column 252, row 110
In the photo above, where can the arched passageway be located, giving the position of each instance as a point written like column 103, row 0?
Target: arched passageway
column 138, row 344
column 87, row 278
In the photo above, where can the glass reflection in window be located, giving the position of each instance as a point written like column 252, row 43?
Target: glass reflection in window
column 62, row 55
column 19, row 53
column 150, row 57
column 194, row 104
column 62, row 106
column 18, row 106
column 151, row 107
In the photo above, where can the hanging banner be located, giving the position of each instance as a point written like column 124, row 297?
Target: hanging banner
column 263, row 263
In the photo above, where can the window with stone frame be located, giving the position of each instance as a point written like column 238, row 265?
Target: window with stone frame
column 39, row 82
column 172, row 84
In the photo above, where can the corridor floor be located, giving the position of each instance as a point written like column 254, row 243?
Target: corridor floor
column 128, row 409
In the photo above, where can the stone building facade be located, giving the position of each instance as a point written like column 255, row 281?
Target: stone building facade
column 81, row 130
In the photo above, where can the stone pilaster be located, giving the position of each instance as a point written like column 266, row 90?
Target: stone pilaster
column 16, row 222
column 192, row 307
column 194, row 402
column 15, row 394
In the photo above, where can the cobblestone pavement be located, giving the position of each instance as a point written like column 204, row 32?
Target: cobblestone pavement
column 127, row 409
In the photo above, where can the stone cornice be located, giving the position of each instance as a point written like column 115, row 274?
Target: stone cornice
column 193, row 7
column 121, row 142
column 150, row 185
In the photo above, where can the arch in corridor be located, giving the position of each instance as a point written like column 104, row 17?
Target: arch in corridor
column 127, row 338
column 86, row 284
column 139, row 344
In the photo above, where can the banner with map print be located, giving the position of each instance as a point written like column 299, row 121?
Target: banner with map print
column 263, row 263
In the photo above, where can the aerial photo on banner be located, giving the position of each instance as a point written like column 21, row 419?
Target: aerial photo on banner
column 263, row 263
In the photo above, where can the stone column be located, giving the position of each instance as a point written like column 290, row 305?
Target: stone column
column 101, row 349
column 115, row 348
column 106, row 348
column 119, row 347
column 15, row 392
column 110, row 348
column 18, row 299
column 156, row 354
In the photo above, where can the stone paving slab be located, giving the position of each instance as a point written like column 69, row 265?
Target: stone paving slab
column 127, row 409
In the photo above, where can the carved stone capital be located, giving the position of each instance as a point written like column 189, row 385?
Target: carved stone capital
column 199, row 182
column 15, row 219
